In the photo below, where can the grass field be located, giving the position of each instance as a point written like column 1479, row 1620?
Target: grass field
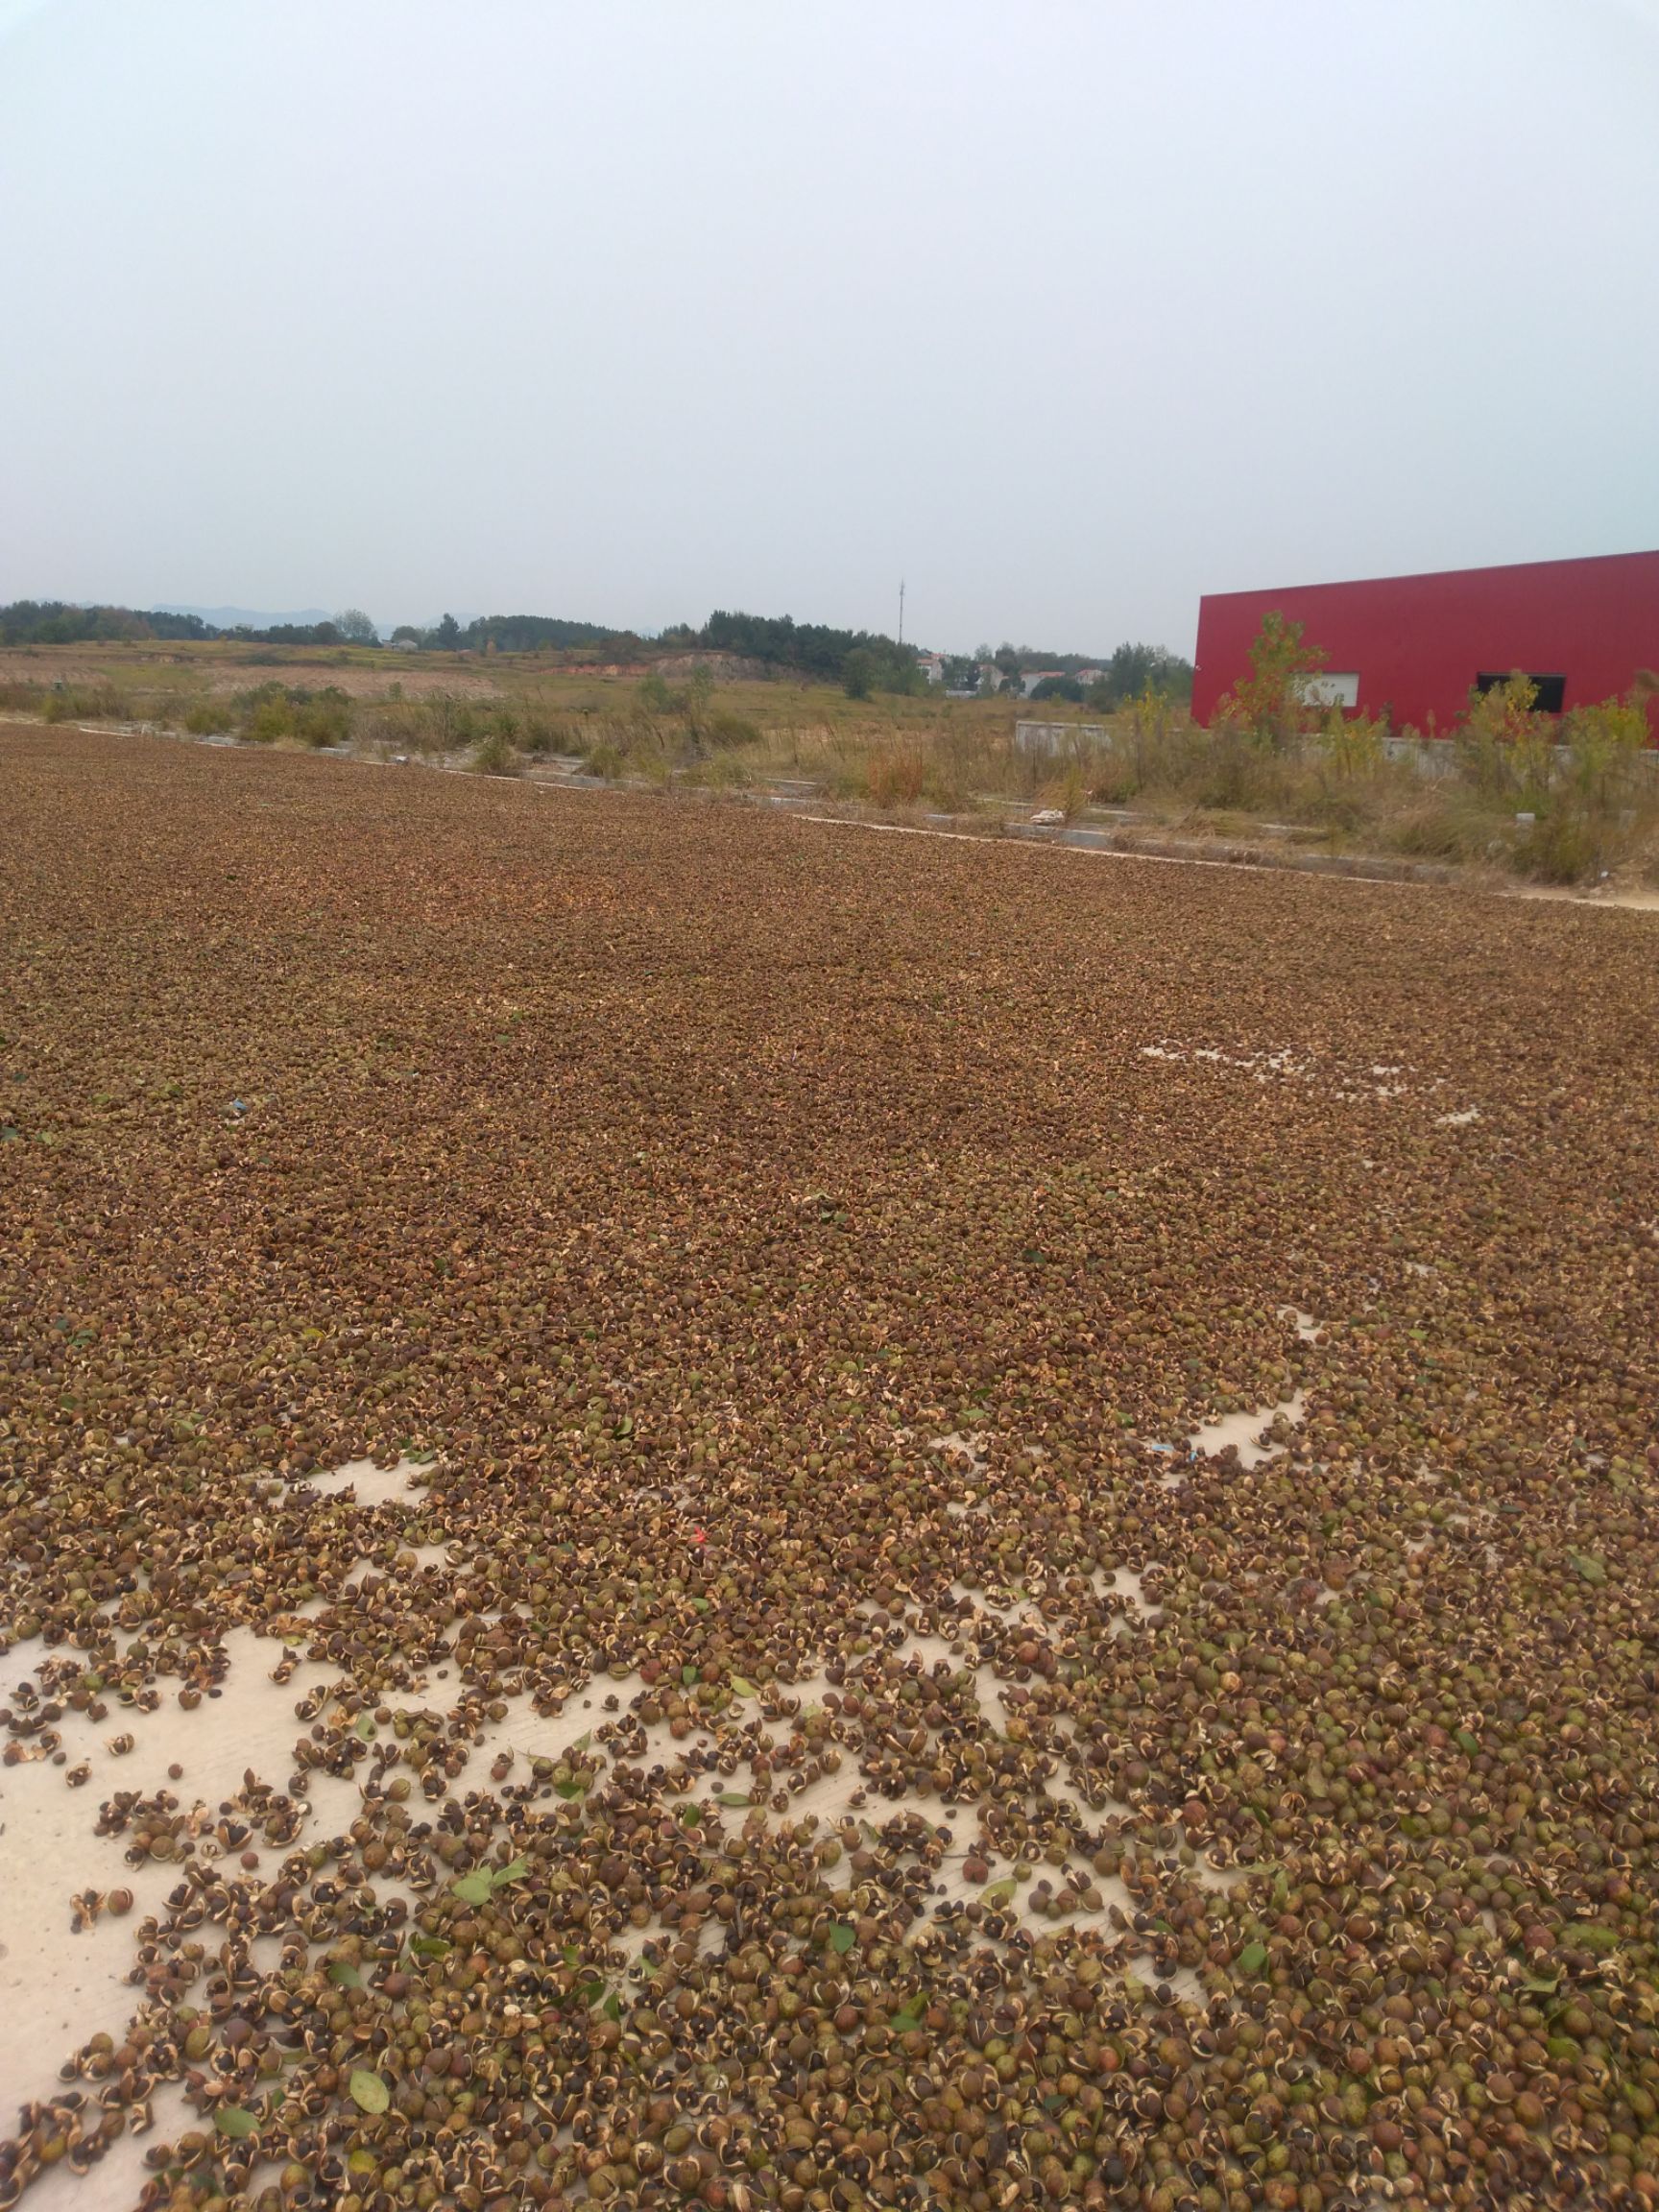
column 799, row 1704
column 1513, row 803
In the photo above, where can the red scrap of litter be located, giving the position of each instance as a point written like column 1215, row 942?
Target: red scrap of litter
column 698, row 1537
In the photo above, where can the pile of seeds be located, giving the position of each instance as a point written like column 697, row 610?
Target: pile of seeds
column 782, row 1713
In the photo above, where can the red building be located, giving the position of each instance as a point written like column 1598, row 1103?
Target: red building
column 1412, row 648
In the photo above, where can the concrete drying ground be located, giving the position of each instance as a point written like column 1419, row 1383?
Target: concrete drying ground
column 888, row 1498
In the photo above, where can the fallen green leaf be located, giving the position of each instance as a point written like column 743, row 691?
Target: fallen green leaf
column 743, row 1686
column 343, row 1974
column 516, row 1871
column 842, row 1936
column 235, row 2121
column 1253, row 1958
column 473, row 1888
column 1594, row 1936
column 369, row 2093
column 731, row 1797
column 999, row 1892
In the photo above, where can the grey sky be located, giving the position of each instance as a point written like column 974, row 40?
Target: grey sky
column 626, row 310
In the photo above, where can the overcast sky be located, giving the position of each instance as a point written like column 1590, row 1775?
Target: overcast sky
column 630, row 310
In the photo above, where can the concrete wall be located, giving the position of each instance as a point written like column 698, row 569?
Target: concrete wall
column 1056, row 736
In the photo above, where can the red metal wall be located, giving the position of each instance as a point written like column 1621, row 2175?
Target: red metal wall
column 1417, row 642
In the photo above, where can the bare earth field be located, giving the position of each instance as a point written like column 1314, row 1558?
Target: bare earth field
column 697, row 1510
column 219, row 668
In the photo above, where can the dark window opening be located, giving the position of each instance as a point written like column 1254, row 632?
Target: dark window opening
column 1552, row 690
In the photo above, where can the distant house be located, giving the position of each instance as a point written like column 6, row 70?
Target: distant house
column 405, row 645
column 1030, row 677
column 932, row 667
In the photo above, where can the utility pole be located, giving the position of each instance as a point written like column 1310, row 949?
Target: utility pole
column 900, row 610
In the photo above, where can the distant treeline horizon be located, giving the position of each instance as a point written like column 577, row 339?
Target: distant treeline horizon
column 860, row 661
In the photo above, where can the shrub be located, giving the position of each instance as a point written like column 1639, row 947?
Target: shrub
column 1504, row 748
column 208, row 718
column 1446, row 822
column 324, row 719
column 653, row 696
column 267, row 715
column 1069, row 792
column 732, row 730
column 1272, row 704
column 93, row 703
column 724, row 772
column 1605, row 747
column 859, row 674
column 895, row 777
column 1353, row 746
column 1234, row 772
column 539, row 734
column 493, row 755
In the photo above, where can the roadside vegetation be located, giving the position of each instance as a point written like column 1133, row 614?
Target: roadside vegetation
column 1555, row 799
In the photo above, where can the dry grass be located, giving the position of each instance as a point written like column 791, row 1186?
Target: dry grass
column 1595, row 809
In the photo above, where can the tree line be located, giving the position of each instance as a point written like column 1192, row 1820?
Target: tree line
column 62, row 622
column 862, row 661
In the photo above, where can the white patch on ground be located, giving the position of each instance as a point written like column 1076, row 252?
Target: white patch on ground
column 1306, row 1328
column 371, row 1485
column 117, row 2183
column 1457, row 1120
column 1130, row 1587
column 56, row 1988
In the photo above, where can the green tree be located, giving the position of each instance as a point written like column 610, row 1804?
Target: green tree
column 447, row 635
column 858, row 673
column 1134, row 670
column 355, row 627
column 1271, row 702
